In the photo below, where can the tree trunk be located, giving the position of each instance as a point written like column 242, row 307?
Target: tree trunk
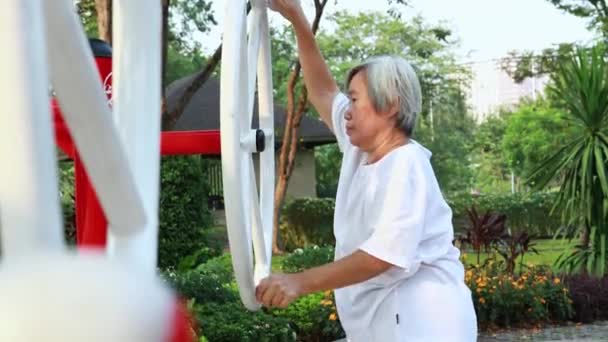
column 104, row 19
column 289, row 144
column 170, row 118
column 283, row 174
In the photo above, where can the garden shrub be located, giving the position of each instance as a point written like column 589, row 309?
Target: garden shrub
column 306, row 222
column 589, row 297
column 200, row 287
column 303, row 259
column 533, row 297
column 219, row 267
column 231, row 322
column 314, row 318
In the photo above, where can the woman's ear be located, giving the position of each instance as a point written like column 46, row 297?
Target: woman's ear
column 393, row 109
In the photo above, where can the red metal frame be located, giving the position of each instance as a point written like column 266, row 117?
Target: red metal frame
column 91, row 223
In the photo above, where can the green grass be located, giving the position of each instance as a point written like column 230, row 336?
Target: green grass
column 549, row 251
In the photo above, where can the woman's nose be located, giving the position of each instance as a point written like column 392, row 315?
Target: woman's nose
column 348, row 115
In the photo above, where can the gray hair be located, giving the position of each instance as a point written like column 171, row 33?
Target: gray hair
column 391, row 79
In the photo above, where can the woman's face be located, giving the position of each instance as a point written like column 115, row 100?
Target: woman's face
column 364, row 125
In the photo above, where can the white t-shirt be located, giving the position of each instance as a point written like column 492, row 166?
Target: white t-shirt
column 393, row 210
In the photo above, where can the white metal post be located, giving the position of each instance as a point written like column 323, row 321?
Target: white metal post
column 84, row 105
column 137, row 97
column 29, row 197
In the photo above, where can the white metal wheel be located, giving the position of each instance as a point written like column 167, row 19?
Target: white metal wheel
column 248, row 218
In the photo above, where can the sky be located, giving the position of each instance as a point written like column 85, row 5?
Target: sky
column 487, row 29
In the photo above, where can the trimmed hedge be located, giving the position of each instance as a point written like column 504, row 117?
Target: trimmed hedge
column 529, row 212
column 307, row 222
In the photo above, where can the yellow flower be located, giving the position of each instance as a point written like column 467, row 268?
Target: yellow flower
column 333, row 317
column 482, row 300
column 556, row 281
column 478, row 290
column 326, row 302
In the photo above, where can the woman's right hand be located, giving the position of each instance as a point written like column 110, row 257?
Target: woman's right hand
column 289, row 9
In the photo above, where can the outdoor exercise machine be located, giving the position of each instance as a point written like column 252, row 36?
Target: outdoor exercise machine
column 112, row 292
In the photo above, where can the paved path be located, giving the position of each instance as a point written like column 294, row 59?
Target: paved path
column 597, row 331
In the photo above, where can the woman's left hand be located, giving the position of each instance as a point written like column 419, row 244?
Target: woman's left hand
column 279, row 290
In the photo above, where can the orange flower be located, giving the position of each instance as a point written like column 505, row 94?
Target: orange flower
column 326, row 302
column 556, row 281
column 482, row 300
column 333, row 317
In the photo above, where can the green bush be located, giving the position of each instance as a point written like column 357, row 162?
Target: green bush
column 67, row 197
column 200, row 286
column 231, row 322
column 306, row 222
column 219, row 267
column 197, row 258
column 314, row 318
column 532, row 297
column 302, row 259
column 530, row 212
column 184, row 215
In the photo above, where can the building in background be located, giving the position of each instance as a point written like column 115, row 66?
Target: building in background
column 492, row 88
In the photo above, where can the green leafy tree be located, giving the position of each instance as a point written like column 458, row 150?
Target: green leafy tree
column 527, row 64
column 596, row 11
column 523, row 64
column 490, row 170
column 533, row 131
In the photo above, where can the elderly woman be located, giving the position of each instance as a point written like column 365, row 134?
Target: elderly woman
column 397, row 276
